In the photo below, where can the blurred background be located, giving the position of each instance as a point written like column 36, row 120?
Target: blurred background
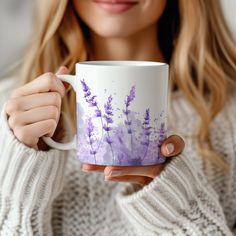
column 16, row 27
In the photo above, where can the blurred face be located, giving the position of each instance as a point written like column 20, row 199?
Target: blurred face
column 119, row 18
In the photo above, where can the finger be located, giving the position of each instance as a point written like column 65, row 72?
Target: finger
column 30, row 134
column 34, row 115
column 146, row 171
column 26, row 103
column 92, row 167
column 172, row 146
column 141, row 180
column 44, row 83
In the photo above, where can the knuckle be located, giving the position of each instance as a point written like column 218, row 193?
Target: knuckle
column 21, row 135
column 49, row 79
column 54, row 113
column 13, row 93
column 12, row 121
column 56, row 98
column 49, row 75
column 12, row 106
column 8, row 107
column 52, row 124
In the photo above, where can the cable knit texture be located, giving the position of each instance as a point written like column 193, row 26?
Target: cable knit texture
column 46, row 193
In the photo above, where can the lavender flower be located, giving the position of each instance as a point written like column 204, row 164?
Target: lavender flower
column 108, row 114
column 127, row 111
column 130, row 97
column 98, row 113
column 109, row 140
column 146, row 130
column 91, row 100
column 91, row 137
column 85, row 86
column 108, row 107
column 108, row 118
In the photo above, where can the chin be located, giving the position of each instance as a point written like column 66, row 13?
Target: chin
column 113, row 32
column 115, row 28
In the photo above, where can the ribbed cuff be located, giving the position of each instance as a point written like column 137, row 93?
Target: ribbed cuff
column 171, row 200
column 28, row 176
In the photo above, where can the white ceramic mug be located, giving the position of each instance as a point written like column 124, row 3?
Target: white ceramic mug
column 121, row 112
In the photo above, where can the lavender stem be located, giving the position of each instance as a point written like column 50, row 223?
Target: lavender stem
column 90, row 133
column 91, row 100
column 128, row 122
column 147, row 132
column 108, row 118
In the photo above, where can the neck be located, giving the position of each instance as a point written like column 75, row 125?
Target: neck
column 141, row 46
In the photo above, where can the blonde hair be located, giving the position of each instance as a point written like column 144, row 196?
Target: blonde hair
column 201, row 53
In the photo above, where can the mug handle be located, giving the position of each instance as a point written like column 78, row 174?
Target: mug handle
column 72, row 144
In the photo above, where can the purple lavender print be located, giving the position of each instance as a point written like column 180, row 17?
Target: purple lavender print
column 127, row 111
column 162, row 135
column 91, row 138
column 91, row 100
column 146, row 131
column 110, row 135
column 107, row 127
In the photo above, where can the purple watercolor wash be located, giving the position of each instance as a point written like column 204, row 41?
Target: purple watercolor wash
column 132, row 142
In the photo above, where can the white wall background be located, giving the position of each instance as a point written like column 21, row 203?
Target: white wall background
column 15, row 29
column 229, row 7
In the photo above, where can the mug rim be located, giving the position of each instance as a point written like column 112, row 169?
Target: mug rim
column 122, row 63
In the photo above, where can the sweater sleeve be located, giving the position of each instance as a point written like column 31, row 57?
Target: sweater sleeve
column 177, row 202
column 30, row 180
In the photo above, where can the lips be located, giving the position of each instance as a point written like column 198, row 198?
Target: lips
column 116, row 6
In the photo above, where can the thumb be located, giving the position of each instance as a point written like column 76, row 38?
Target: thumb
column 63, row 70
column 172, row 146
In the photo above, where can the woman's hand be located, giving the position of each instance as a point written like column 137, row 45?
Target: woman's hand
column 34, row 109
column 141, row 175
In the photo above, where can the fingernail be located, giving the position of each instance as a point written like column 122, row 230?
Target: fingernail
column 170, row 148
column 115, row 173
column 112, row 173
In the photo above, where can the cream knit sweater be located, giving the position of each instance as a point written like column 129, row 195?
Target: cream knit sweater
column 45, row 193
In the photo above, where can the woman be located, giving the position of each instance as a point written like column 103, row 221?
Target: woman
column 43, row 191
